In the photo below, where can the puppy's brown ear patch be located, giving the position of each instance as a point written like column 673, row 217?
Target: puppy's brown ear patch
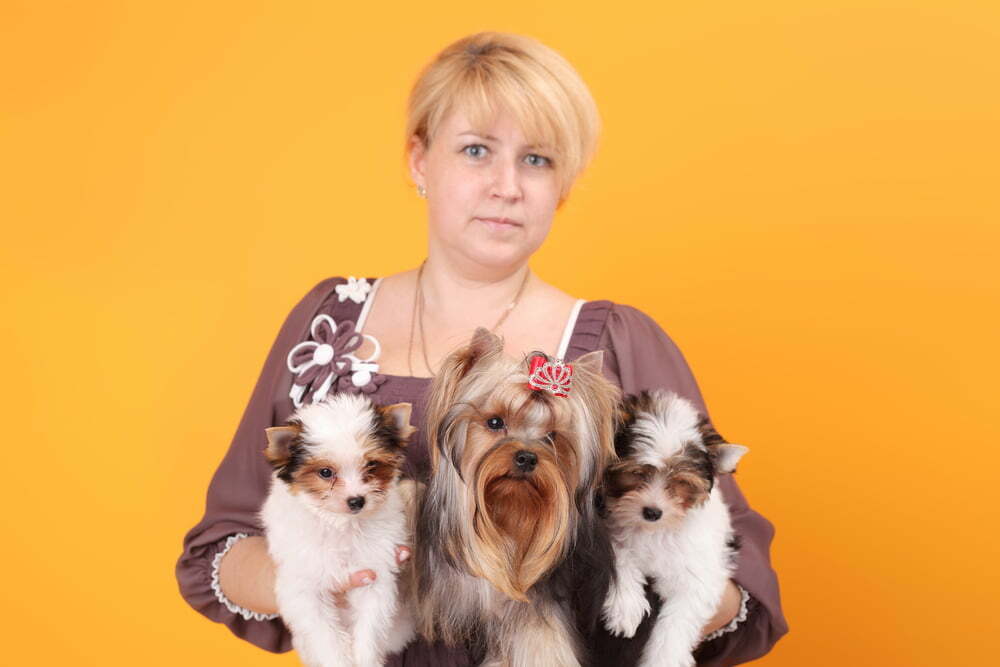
column 279, row 443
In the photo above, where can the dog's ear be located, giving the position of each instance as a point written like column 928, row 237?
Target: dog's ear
column 444, row 387
column 726, row 456
column 483, row 342
column 592, row 361
column 397, row 417
column 279, row 442
column 626, row 410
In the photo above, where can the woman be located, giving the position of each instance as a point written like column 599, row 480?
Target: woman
column 494, row 175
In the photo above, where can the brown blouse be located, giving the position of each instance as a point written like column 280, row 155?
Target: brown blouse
column 638, row 355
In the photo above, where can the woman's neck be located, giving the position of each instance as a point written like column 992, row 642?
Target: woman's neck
column 457, row 295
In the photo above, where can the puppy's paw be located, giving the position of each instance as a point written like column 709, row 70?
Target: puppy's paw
column 623, row 611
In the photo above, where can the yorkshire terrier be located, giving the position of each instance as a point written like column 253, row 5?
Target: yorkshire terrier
column 512, row 552
column 668, row 522
column 337, row 505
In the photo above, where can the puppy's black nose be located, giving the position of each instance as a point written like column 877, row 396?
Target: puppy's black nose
column 651, row 513
column 525, row 461
column 356, row 503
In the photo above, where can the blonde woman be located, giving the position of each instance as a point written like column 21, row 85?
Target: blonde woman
column 499, row 128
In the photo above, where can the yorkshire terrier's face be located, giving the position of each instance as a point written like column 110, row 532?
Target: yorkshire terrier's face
column 515, row 467
column 339, row 456
column 669, row 456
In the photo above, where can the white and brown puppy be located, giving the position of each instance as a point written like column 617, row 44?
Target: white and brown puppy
column 337, row 505
column 668, row 522
column 512, row 551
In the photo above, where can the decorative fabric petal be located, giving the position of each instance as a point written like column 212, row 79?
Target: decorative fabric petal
column 323, row 329
column 320, row 394
column 307, row 376
column 300, row 357
column 346, row 339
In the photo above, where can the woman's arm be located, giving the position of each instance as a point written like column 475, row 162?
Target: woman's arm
column 729, row 606
column 246, row 575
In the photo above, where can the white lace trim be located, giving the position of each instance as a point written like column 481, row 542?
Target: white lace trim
column 235, row 608
column 740, row 617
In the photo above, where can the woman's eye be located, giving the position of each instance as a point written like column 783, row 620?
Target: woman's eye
column 551, row 435
column 479, row 153
column 494, row 423
column 542, row 161
column 326, row 473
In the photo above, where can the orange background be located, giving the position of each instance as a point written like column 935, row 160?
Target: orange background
column 803, row 194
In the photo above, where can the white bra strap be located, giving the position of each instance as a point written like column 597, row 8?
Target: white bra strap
column 568, row 331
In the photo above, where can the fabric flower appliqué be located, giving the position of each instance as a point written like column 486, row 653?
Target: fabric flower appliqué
column 354, row 289
column 328, row 358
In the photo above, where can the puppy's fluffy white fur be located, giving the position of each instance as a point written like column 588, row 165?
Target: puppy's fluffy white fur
column 318, row 540
column 668, row 523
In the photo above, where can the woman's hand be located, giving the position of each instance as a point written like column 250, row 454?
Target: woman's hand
column 366, row 577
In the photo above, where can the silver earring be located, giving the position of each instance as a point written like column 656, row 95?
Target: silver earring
column 422, row 191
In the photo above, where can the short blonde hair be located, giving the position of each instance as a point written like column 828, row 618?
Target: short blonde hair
column 487, row 71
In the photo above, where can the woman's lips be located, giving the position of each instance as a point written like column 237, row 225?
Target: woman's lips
column 500, row 223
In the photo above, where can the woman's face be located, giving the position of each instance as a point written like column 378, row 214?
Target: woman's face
column 490, row 196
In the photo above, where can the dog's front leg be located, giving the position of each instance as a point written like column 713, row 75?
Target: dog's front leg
column 682, row 616
column 626, row 604
column 374, row 610
column 317, row 630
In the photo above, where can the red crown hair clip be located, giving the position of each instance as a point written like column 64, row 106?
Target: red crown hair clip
column 552, row 376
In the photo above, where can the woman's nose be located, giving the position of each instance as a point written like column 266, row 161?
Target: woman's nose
column 506, row 181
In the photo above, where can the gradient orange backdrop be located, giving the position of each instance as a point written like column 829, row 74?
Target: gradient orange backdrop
column 803, row 194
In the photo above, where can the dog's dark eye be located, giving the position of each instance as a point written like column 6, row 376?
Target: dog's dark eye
column 326, row 473
column 371, row 464
column 494, row 423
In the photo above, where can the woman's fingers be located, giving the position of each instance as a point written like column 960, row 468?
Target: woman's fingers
column 366, row 577
column 357, row 579
column 361, row 578
column 402, row 554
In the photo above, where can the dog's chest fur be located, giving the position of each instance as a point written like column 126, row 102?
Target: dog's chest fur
column 701, row 538
column 329, row 548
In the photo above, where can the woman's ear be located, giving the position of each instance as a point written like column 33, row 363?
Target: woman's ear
column 417, row 157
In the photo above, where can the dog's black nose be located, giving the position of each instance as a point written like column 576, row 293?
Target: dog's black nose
column 356, row 503
column 651, row 513
column 525, row 461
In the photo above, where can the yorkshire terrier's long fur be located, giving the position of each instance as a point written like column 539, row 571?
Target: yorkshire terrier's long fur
column 513, row 560
column 668, row 522
column 336, row 506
